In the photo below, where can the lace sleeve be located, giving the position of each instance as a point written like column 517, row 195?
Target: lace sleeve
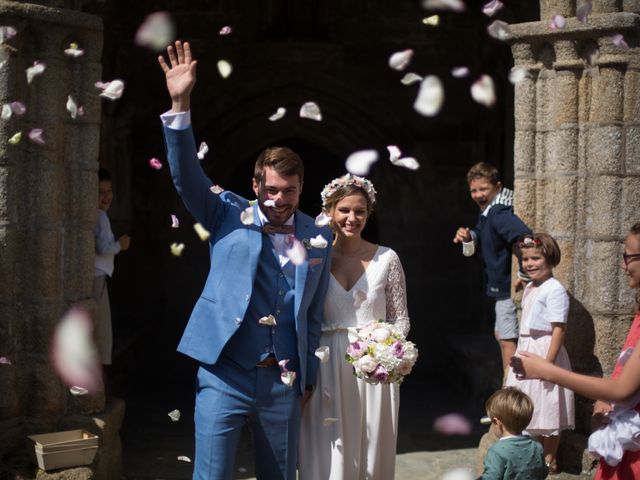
column 396, row 295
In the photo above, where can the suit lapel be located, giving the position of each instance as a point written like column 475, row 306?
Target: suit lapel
column 301, row 270
column 255, row 242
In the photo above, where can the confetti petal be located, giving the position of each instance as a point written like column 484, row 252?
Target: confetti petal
column 359, row 296
column 557, row 22
column 5, row 361
column 460, row 72
column 73, row 50
column 458, row 474
column 517, row 74
column 455, row 5
column 269, row 203
column 297, row 253
column 430, row 97
column 111, row 90
column 329, row 421
column 176, row 249
column 433, row 20
column 35, row 135
column 75, row 390
column 407, row 162
column 6, row 112
column 18, row 108
column 224, row 68
column 174, row 415
column 452, row 424
column 36, row 69
column 203, row 150
column 175, row 223
column 278, row 114
column 394, row 153
column 156, row 32
column 269, row 321
column 318, row 242
column 583, row 11
column 492, row 7
column 499, row 30
column 326, row 395
column 184, row 458
column 7, row 32
column 155, row 163
column 400, row 60
column 483, row 92
column 217, row 189
column 288, row 378
column 15, row 139
column 226, row 30
column 202, row 232
column 618, row 40
column 73, row 109
column 311, row 110
column 246, row 217
column 322, row 220
column 360, row 162
column 410, row 78
column 323, row 354
column 4, row 56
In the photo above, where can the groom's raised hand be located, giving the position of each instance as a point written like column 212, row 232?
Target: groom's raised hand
column 180, row 74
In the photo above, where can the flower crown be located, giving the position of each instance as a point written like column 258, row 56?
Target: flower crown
column 344, row 181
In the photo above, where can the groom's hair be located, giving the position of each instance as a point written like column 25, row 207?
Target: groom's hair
column 282, row 159
column 512, row 407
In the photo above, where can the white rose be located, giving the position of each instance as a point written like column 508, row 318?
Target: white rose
column 367, row 364
column 404, row 368
column 381, row 333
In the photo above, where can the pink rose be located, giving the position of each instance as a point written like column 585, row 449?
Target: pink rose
column 381, row 374
column 367, row 364
column 397, row 349
column 355, row 349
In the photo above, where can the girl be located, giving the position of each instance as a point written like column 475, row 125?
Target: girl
column 545, row 305
column 623, row 388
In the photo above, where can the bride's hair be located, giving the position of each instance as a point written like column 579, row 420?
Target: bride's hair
column 344, row 192
column 344, row 186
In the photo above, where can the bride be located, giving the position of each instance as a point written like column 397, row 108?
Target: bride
column 349, row 427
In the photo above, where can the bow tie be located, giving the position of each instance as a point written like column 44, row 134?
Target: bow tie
column 270, row 229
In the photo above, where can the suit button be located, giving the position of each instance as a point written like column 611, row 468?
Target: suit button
column 238, row 321
column 281, row 292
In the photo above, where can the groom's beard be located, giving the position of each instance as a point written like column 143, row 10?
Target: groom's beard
column 280, row 214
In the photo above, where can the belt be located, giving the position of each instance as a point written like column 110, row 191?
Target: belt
column 270, row 361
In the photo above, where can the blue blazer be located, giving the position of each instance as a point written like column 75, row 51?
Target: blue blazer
column 234, row 249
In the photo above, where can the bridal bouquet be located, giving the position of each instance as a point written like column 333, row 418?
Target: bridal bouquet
column 379, row 353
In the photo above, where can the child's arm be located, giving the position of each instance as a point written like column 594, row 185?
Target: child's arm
column 493, row 466
column 105, row 244
column 557, row 339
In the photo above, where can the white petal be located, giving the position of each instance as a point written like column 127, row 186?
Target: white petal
column 217, row 189
column 322, row 220
column 224, row 68
column 288, row 377
column 460, row 72
column 113, row 90
column 156, row 32
column 583, row 11
column 36, row 69
column 203, row 150
column 430, row 97
column 311, row 110
column 458, row 474
column 318, row 242
column 226, row 30
column 184, row 458
column 6, row 112
column 407, row 162
column 175, row 223
column 455, row 5
column 517, row 74
column 433, row 20
column 490, row 8
column 269, row 321
column 500, row 30
column 359, row 296
column 278, row 115
column 360, row 162
column 176, row 249
column 323, row 354
column 174, row 415
column 297, row 253
column 15, row 138
column 400, row 60
column 202, row 232
column 6, row 32
column 483, row 92
column 410, row 78
column 326, row 395
column 75, row 390
column 72, row 107
column 394, row 153
column 74, row 52
column 329, row 421
column 246, row 217
column 269, row 203
column 5, row 361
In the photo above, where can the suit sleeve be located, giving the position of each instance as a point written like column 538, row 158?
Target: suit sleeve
column 493, row 466
column 509, row 226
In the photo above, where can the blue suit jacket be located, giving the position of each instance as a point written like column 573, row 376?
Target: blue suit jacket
column 234, row 250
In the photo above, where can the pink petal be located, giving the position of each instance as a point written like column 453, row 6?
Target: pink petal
column 360, row 162
column 452, row 424
column 618, row 40
column 322, row 220
column 455, row 5
column 490, row 8
column 18, row 108
column 7, row 32
column 460, row 72
column 5, row 361
column 583, row 11
column 400, row 60
column 499, row 30
column 558, row 22
column 297, row 253
column 155, row 163
column 36, row 69
column 35, row 135
column 175, row 223
column 226, row 30
column 483, row 92
column 156, row 32
column 283, row 365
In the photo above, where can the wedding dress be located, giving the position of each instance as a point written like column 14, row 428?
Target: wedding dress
column 349, row 427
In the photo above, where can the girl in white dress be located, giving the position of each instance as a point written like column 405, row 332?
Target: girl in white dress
column 349, row 427
column 545, row 306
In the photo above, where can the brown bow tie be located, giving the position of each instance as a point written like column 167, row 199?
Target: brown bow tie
column 269, row 229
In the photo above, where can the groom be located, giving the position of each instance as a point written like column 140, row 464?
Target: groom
column 231, row 332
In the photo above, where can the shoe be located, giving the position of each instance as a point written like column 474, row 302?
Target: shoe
column 553, row 468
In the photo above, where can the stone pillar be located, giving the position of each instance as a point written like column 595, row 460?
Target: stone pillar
column 577, row 166
column 48, row 211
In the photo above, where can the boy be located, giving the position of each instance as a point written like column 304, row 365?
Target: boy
column 514, row 456
column 498, row 228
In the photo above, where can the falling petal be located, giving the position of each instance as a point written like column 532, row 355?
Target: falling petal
column 184, row 458
column 485, row 421
column 583, row 11
column 246, row 217
column 460, row 72
column 311, row 110
column 278, row 115
column 18, row 108
column 36, row 69
column 323, row 354
column 202, row 232
column 407, row 162
column 500, row 30
column 394, row 153
column 297, row 253
column 75, row 390
column 35, row 135
column 430, row 97
column 217, row 189
column 73, row 109
column 318, row 242
column 283, row 364
column 269, row 203
column 359, row 296
column 156, row 32
column 226, row 30
column 329, row 421
column 155, row 163
column 6, row 112
column 5, row 361
column 360, row 162
column 483, row 92
column 326, row 395
column 492, row 7
column 203, row 150
column 176, row 249
column 174, row 415
column 15, row 139
column 517, row 74
column 6, row 32
column 73, row 353
column 410, row 78
column 269, row 321
column 73, row 50
column 224, row 68
column 452, row 424
column 458, row 474
column 433, row 20
column 288, row 378
column 322, row 220
column 4, row 56
column 175, row 223
column 557, row 22
column 111, row 90
column 618, row 40
column 400, row 60
column 455, row 5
